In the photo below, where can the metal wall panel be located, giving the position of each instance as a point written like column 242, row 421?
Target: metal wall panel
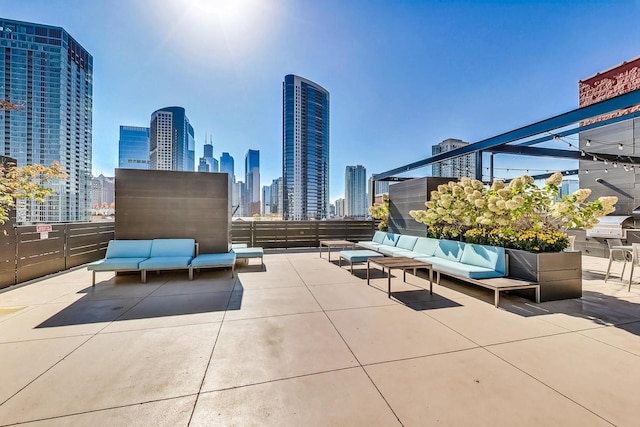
column 410, row 195
column 154, row 204
column 38, row 257
column 87, row 242
column 7, row 254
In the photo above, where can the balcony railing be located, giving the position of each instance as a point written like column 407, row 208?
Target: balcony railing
column 25, row 254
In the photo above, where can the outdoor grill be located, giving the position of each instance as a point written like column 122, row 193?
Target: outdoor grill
column 611, row 227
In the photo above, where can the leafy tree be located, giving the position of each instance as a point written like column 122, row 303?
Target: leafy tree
column 25, row 182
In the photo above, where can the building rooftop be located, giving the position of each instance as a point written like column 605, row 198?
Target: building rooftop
column 304, row 342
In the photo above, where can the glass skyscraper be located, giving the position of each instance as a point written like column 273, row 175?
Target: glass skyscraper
column 252, row 181
column 226, row 166
column 133, row 148
column 171, row 140
column 305, row 149
column 50, row 76
column 355, row 186
column 212, row 162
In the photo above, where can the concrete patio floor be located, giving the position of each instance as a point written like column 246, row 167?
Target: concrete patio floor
column 305, row 343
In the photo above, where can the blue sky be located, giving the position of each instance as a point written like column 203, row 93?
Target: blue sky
column 403, row 75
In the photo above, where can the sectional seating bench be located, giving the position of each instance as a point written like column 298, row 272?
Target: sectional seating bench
column 477, row 264
column 156, row 255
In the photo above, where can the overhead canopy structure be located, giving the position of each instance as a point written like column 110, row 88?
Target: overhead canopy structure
column 521, row 140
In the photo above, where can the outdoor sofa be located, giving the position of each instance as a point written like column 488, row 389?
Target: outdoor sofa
column 157, row 254
column 482, row 265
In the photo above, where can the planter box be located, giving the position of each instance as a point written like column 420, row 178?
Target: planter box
column 558, row 273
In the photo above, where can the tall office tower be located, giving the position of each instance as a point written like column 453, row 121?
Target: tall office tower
column 171, row 140
column 252, row 181
column 203, row 166
column 238, row 195
column 226, row 166
column 340, row 208
column 50, row 76
column 208, row 155
column 276, row 196
column 355, row 187
column 133, row 148
column 456, row 167
column 266, row 200
column 305, row 149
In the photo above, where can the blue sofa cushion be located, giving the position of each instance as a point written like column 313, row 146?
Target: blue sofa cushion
column 359, row 255
column 390, row 239
column 173, row 248
column 378, row 237
column 214, row 260
column 397, row 252
column 248, row 252
column 370, row 245
column 113, row 264
column 165, row 262
column 426, row 246
column 455, row 268
column 449, row 249
column 128, row 249
column 492, row 257
column 406, row 242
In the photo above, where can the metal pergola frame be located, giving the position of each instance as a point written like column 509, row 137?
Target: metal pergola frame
column 499, row 143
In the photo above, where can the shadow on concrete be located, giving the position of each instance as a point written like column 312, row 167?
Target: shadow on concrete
column 421, row 300
column 167, row 294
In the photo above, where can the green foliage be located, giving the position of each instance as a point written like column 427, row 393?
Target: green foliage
column 381, row 211
column 519, row 215
column 25, row 182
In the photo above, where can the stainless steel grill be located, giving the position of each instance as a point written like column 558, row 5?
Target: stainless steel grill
column 611, row 227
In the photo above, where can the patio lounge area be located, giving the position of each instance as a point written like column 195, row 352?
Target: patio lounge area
column 303, row 342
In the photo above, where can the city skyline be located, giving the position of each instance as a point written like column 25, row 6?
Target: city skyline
column 404, row 75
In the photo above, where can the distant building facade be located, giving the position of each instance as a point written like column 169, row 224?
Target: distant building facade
column 381, row 187
column 103, row 191
column 211, row 161
column 340, row 208
column 276, row 197
column 226, row 165
column 171, row 140
column 305, row 156
column 456, row 167
column 355, row 187
column 252, row 181
column 266, row 200
column 133, row 147
column 49, row 75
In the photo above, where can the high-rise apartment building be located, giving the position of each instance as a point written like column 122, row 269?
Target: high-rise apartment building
column 276, row 196
column 305, row 149
column 226, row 166
column 266, row 200
column 355, row 187
column 238, row 196
column 133, row 147
column 171, row 140
column 340, row 208
column 208, row 155
column 456, row 167
column 50, row 76
column 252, row 181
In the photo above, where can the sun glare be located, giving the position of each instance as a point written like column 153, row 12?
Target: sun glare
column 217, row 29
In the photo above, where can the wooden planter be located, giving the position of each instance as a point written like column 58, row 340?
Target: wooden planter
column 558, row 273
